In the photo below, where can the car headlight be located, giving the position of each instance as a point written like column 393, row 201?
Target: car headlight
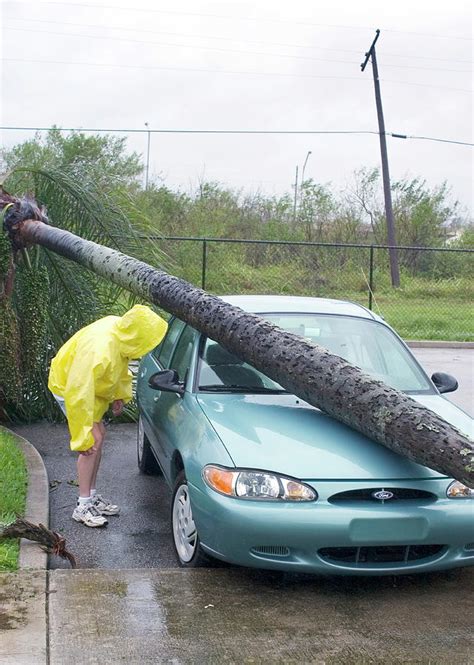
column 459, row 491
column 250, row 484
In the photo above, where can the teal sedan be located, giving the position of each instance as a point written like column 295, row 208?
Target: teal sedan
column 261, row 478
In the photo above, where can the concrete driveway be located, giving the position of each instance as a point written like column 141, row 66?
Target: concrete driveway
column 240, row 616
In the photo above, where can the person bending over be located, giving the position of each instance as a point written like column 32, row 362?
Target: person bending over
column 90, row 373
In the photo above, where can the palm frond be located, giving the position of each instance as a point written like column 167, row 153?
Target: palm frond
column 77, row 297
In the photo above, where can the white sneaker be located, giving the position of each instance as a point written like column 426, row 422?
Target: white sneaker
column 104, row 506
column 88, row 515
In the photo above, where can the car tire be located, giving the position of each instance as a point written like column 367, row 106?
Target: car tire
column 146, row 460
column 183, row 529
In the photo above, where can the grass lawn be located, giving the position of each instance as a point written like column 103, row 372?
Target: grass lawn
column 13, row 485
column 422, row 308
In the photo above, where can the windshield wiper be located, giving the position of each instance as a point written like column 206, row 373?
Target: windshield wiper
column 219, row 388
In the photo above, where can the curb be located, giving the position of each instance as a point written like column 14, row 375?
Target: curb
column 37, row 504
column 438, row 344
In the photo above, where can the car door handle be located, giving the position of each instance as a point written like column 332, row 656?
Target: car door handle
column 155, row 399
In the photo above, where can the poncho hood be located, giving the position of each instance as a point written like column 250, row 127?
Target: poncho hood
column 139, row 331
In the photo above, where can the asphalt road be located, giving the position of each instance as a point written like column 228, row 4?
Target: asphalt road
column 141, row 536
column 457, row 362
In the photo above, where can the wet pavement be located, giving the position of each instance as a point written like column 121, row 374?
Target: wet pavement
column 241, row 616
column 457, row 362
column 140, row 537
column 23, row 618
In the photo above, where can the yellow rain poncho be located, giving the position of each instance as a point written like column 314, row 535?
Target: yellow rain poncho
column 90, row 371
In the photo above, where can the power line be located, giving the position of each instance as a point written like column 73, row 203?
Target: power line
column 285, row 21
column 429, row 138
column 177, row 69
column 233, row 39
column 223, row 50
column 222, row 71
column 190, row 46
column 231, row 131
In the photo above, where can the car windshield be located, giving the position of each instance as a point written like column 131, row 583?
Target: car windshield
column 363, row 342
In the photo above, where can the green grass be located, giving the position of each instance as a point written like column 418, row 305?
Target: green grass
column 422, row 308
column 13, row 485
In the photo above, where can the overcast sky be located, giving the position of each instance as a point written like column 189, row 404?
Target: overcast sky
column 259, row 65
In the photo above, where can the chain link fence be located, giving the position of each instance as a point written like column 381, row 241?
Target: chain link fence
column 433, row 302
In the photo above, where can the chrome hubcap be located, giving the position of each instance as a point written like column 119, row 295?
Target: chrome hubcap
column 184, row 529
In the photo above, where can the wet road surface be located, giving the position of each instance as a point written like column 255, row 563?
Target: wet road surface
column 244, row 616
column 140, row 537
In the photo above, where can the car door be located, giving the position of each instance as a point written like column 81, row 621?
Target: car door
column 169, row 410
column 155, row 361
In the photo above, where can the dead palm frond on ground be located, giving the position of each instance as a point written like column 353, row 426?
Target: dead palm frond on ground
column 49, row 541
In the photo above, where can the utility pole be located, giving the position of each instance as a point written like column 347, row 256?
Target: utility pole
column 393, row 252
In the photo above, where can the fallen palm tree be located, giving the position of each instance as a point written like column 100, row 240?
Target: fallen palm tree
column 307, row 370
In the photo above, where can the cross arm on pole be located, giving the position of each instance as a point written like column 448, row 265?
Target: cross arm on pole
column 369, row 52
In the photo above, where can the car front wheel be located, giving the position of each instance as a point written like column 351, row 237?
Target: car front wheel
column 145, row 458
column 185, row 535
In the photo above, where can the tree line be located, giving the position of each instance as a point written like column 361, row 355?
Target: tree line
column 92, row 187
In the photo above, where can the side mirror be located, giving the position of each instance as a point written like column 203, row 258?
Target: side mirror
column 444, row 382
column 168, row 381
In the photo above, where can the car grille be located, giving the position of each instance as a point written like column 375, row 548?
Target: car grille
column 379, row 554
column 399, row 494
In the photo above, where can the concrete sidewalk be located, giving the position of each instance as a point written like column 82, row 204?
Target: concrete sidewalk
column 23, row 595
column 237, row 616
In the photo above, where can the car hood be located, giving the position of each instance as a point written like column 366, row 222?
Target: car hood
column 284, row 434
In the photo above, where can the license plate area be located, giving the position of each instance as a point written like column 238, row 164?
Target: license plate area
column 396, row 530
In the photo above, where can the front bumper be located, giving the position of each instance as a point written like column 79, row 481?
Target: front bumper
column 299, row 537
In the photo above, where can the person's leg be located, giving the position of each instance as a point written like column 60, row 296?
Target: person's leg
column 103, row 505
column 87, row 464
column 100, row 429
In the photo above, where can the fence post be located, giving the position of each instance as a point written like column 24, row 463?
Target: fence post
column 371, row 275
column 204, row 264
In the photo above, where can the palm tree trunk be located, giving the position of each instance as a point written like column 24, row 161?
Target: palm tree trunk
column 305, row 369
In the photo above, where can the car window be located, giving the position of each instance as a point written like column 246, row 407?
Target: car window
column 219, row 367
column 163, row 352
column 182, row 354
column 363, row 342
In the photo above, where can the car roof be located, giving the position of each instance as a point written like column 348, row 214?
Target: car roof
column 280, row 304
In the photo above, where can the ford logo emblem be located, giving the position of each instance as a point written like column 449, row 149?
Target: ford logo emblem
column 383, row 495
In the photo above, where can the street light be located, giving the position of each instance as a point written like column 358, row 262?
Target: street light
column 304, row 166
column 296, row 184
column 147, row 167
